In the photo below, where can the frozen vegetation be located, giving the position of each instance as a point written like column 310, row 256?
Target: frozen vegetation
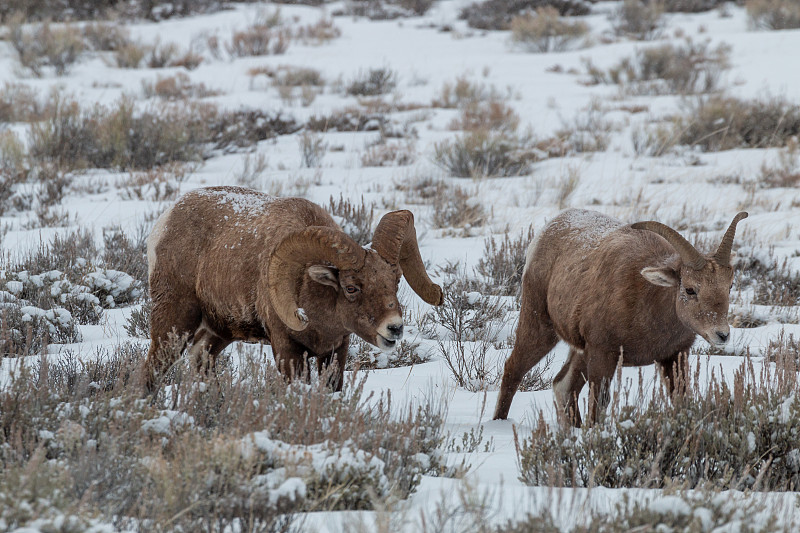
column 486, row 119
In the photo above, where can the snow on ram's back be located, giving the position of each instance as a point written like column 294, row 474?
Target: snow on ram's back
column 485, row 123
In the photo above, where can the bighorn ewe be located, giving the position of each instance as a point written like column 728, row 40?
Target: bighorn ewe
column 640, row 292
column 227, row 263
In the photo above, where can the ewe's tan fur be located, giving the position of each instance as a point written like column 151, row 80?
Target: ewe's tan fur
column 613, row 291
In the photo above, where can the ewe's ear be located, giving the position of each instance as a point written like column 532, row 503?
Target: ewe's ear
column 663, row 276
column 325, row 275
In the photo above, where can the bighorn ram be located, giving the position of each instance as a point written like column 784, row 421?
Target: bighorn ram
column 227, row 263
column 640, row 292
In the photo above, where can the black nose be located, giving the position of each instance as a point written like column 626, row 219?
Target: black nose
column 722, row 336
column 396, row 330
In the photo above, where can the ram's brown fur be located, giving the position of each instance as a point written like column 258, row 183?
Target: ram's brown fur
column 227, row 264
column 614, row 291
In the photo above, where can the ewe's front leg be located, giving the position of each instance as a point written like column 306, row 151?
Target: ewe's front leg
column 600, row 369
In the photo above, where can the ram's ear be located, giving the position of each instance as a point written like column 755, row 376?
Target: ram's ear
column 663, row 276
column 326, row 275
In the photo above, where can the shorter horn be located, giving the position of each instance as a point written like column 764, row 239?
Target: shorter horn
column 395, row 240
column 723, row 255
column 689, row 254
column 287, row 265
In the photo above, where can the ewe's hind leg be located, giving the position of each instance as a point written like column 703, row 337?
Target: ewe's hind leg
column 534, row 340
column 567, row 386
column 675, row 372
column 175, row 321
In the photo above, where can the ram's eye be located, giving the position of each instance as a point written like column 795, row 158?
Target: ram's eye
column 351, row 289
column 691, row 292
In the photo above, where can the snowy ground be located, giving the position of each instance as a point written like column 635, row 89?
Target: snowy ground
column 682, row 187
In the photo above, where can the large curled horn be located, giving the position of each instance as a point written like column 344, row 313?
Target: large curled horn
column 689, row 254
column 723, row 255
column 395, row 240
column 288, row 262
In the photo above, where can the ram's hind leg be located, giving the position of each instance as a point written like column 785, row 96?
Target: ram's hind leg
column 173, row 321
column 535, row 338
column 567, row 385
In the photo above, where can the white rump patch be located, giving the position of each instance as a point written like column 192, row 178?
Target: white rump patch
column 154, row 238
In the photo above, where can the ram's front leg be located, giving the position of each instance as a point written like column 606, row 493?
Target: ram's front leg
column 290, row 357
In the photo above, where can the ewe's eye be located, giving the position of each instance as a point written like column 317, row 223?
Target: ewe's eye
column 690, row 292
column 351, row 289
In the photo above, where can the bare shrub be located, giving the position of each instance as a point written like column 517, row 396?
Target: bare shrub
column 117, row 137
column 46, row 46
column 20, row 103
column 386, row 154
column 264, row 37
column 482, row 154
column 298, row 76
column 70, row 10
column 243, row 128
column 374, row 82
column 13, row 167
column 691, row 6
column 121, row 252
column 640, row 19
column 773, row 14
column 773, row 281
column 503, row 262
column 588, row 131
column 668, row 69
column 312, row 149
column 786, row 173
column 364, row 356
column 491, row 114
column 546, row 31
column 356, row 220
column 454, row 207
column 498, row 14
column 105, row 36
column 321, row 32
column 463, row 93
column 724, row 123
column 253, row 168
column 348, row 119
column 138, row 323
column 131, row 54
column 176, row 87
column 385, row 9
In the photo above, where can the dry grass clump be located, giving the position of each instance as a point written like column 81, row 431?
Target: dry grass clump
column 485, row 154
column 772, row 281
column 373, row 82
column 264, row 37
column 157, row 184
column 492, row 114
column 20, row 103
column 46, row 45
column 462, row 93
column 312, row 149
column 176, row 87
column 454, row 207
column 385, row 9
column 668, row 69
column 118, row 137
column 639, row 19
column 546, row 31
column 726, row 438
column 498, row 14
column 773, row 14
column 503, row 262
column 786, row 173
column 241, row 452
column 355, row 219
column 724, row 123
